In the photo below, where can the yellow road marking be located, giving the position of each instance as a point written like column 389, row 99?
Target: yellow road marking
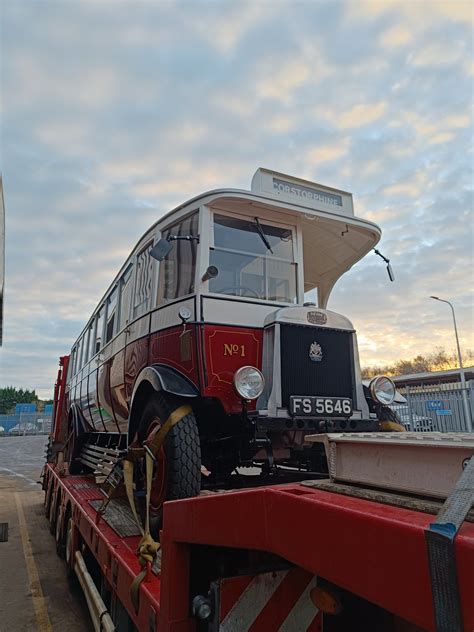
column 41, row 612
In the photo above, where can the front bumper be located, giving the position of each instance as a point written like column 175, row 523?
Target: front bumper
column 311, row 424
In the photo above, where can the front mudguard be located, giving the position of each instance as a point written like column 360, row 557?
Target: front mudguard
column 157, row 378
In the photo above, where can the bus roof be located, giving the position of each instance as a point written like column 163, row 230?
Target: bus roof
column 334, row 239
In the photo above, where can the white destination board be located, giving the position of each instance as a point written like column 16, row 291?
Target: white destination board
column 302, row 192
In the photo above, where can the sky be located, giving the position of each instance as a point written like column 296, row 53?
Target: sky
column 115, row 112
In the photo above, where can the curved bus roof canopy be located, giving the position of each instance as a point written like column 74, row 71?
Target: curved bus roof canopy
column 333, row 238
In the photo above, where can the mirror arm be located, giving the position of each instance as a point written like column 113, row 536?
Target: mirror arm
column 387, row 261
column 377, row 252
column 183, row 238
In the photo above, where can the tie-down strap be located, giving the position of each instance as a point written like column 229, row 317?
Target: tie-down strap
column 147, row 548
column 441, row 552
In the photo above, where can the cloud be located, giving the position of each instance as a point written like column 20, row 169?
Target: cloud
column 328, row 152
column 396, row 36
column 437, row 54
column 429, row 10
column 362, row 114
column 411, row 186
column 115, row 113
column 232, row 26
column 280, row 83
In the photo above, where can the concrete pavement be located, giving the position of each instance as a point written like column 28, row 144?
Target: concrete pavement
column 35, row 594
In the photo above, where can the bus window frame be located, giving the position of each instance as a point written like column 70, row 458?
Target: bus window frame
column 71, row 369
column 147, row 243
column 129, row 265
column 116, row 287
column 80, row 345
column 265, row 217
column 177, row 219
column 86, row 349
column 102, row 306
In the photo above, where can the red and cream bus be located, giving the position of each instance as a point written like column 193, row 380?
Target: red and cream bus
column 209, row 310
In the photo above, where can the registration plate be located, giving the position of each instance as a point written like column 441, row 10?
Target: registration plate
column 320, row 406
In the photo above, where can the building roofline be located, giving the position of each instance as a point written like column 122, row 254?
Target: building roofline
column 433, row 376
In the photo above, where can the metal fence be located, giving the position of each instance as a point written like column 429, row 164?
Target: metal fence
column 435, row 408
column 25, row 424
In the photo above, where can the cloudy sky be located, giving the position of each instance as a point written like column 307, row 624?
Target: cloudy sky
column 114, row 112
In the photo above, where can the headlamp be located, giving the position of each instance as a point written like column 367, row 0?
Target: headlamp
column 248, row 382
column 382, row 389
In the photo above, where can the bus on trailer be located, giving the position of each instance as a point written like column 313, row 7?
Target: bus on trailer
column 207, row 316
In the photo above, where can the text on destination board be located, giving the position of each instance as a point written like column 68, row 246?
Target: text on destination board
column 298, row 190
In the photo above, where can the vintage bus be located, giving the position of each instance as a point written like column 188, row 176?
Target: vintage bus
column 209, row 309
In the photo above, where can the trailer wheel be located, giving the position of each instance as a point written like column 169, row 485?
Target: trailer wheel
column 69, row 551
column 177, row 472
column 60, row 549
column 53, row 512
column 68, row 548
column 389, row 420
column 47, row 496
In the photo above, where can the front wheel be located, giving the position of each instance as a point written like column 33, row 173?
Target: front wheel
column 177, row 470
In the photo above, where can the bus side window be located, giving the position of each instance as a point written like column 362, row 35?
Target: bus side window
column 70, row 367
column 177, row 271
column 92, row 338
column 85, row 354
column 111, row 326
column 99, row 332
column 78, row 356
column 125, row 297
column 143, row 281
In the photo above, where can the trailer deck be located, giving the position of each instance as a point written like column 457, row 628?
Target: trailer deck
column 373, row 550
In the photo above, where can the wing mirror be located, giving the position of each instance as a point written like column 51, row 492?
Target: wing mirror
column 161, row 249
column 390, row 273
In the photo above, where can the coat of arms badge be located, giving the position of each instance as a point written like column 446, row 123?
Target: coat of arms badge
column 315, row 352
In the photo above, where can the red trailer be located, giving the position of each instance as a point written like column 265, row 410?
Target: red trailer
column 294, row 556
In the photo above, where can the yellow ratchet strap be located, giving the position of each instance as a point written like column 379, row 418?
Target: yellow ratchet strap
column 391, row 426
column 148, row 548
column 172, row 420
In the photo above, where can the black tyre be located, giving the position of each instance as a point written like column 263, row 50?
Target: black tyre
column 47, row 497
column 178, row 468
column 68, row 551
column 60, row 535
column 53, row 512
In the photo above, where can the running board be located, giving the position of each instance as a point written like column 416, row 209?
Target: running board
column 101, row 460
column 426, row 464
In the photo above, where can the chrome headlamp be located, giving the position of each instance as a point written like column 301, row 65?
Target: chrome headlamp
column 249, row 382
column 382, row 389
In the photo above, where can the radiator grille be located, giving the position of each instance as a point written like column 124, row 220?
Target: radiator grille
column 333, row 376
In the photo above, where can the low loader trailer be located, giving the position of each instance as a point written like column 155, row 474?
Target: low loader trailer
column 384, row 542
column 218, row 464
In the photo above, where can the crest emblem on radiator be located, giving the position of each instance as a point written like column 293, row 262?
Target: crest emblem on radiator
column 315, row 352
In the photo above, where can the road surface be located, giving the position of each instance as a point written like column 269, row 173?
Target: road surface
column 35, row 594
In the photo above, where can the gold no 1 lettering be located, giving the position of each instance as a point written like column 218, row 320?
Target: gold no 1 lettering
column 234, row 350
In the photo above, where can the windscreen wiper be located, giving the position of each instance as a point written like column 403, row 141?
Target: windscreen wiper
column 262, row 235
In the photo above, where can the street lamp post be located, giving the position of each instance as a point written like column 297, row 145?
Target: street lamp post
column 467, row 410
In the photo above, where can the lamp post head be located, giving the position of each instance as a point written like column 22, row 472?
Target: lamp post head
column 435, row 298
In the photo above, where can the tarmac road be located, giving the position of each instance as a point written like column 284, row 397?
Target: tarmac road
column 35, row 594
